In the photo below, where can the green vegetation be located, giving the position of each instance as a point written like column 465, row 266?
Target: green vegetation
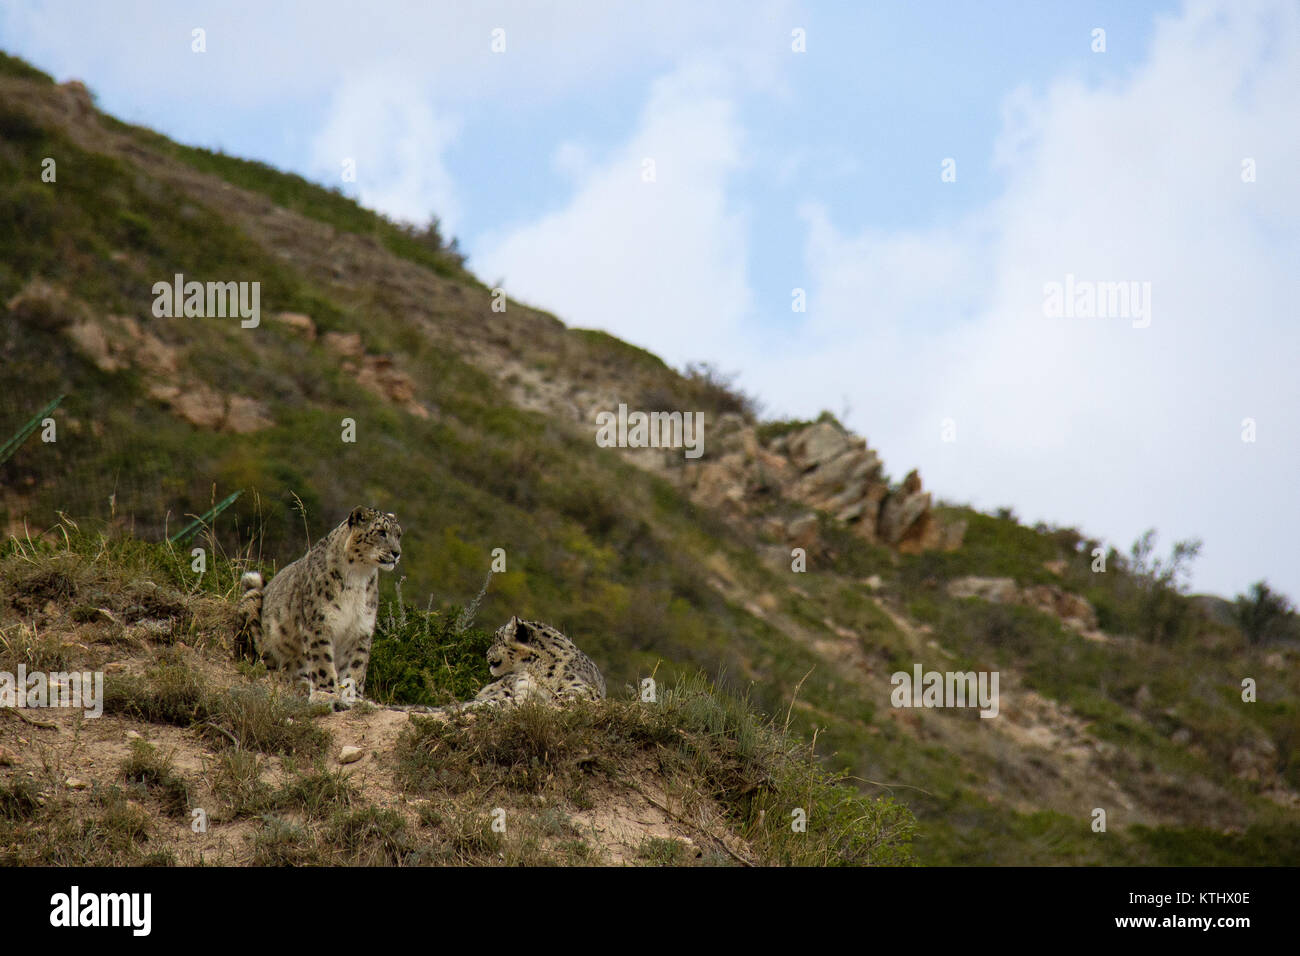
column 710, row 749
column 13, row 66
column 422, row 657
column 151, row 771
column 1266, row 616
column 618, row 557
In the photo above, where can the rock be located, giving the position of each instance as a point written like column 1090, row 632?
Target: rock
column 817, row 444
column 207, row 408
column 1060, row 603
column 350, row 754
column 925, row 534
column 952, row 534
column 824, row 467
column 994, row 590
column 344, row 343
column 92, row 341
column 298, row 323
column 874, row 582
column 902, row 510
column 7, row 758
column 133, row 735
column 43, row 304
column 75, row 783
column 79, row 101
column 802, row 532
column 1254, row 761
column 375, row 373
column 1073, row 611
column 197, row 404
column 244, row 415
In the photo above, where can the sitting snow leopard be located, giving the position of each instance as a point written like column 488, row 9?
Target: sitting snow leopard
column 316, row 618
column 534, row 661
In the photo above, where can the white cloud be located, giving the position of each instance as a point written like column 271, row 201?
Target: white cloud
column 1092, row 421
column 659, row 263
column 396, row 141
column 259, row 53
column 391, row 78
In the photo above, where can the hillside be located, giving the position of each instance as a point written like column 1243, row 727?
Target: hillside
column 477, row 428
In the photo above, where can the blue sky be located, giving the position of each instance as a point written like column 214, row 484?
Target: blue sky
column 820, row 170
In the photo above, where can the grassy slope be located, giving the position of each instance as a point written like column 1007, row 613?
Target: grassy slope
column 257, row 760
column 615, row 556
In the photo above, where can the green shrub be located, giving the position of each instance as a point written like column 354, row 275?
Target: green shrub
column 1265, row 615
column 419, row 657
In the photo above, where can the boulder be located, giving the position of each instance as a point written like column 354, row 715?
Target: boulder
column 299, row 323
column 344, row 343
column 994, row 590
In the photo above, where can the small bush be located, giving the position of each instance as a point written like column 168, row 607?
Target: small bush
column 1265, row 615
column 421, row 657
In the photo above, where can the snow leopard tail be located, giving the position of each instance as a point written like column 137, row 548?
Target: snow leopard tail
column 249, row 637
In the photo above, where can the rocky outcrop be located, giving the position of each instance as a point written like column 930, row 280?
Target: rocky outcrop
column 114, row 343
column 1073, row 611
column 823, row 467
column 375, row 373
column 78, row 102
column 207, row 408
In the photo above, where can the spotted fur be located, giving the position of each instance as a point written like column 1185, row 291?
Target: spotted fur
column 316, row 619
column 534, row 661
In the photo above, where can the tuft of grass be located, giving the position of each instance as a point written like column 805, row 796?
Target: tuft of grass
column 152, row 771
column 713, row 754
column 250, row 717
column 282, row 842
column 112, row 830
column 317, row 794
column 662, row 851
column 19, row 799
column 372, row 836
column 236, row 778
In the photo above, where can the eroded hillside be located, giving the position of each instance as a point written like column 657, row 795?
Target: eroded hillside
column 476, row 427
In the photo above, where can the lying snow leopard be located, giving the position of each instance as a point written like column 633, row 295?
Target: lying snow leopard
column 534, row 661
column 317, row 616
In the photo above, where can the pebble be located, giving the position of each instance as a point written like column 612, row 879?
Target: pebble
column 350, row 755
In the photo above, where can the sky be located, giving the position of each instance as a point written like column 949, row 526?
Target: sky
column 920, row 175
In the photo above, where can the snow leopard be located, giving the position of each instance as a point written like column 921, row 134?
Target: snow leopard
column 316, row 618
column 534, row 661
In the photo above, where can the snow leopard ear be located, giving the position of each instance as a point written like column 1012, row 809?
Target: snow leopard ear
column 358, row 515
column 523, row 633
